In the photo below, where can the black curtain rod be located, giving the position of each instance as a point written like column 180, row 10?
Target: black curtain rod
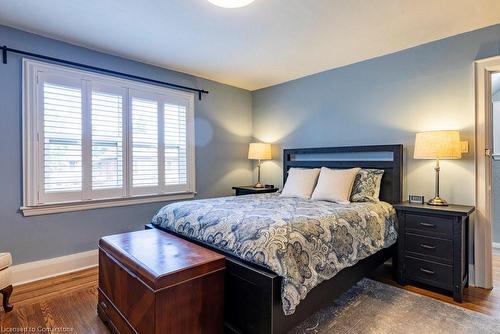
column 5, row 49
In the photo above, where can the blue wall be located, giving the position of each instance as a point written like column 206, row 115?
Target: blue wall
column 384, row 100
column 223, row 130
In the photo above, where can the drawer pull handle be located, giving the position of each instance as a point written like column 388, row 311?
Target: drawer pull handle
column 427, row 246
column 104, row 305
column 427, row 271
column 427, row 225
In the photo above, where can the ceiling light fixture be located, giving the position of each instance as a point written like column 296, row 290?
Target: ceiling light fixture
column 231, row 3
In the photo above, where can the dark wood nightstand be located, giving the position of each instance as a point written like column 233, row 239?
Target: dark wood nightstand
column 247, row 190
column 433, row 246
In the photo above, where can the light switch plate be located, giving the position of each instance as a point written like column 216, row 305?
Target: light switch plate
column 464, row 146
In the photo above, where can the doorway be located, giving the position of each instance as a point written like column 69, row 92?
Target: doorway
column 495, row 170
column 487, row 164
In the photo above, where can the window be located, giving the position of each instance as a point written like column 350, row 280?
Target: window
column 91, row 138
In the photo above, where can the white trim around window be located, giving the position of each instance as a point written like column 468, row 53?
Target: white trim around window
column 92, row 141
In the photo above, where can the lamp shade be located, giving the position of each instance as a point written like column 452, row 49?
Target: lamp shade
column 259, row 151
column 438, row 145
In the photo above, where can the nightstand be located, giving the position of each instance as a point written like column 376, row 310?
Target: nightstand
column 433, row 246
column 247, row 190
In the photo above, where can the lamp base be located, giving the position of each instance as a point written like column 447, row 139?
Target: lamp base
column 258, row 185
column 438, row 201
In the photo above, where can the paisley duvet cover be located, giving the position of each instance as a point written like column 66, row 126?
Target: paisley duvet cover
column 304, row 241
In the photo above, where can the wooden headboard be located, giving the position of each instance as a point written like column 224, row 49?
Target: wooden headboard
column 392, row 163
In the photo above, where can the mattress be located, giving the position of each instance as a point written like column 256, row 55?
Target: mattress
column 304, row 241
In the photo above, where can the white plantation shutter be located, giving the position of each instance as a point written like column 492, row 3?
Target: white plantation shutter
column 93, row 137
column 107, row 141
column 61, row 129
column 144, row 122
column 175, row 121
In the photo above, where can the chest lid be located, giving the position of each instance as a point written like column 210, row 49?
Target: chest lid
column 160, row 259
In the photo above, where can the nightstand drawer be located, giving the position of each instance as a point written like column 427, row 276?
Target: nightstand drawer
column 248, row 190
column 434, row 226
column 428, row 272
column 241, row 192
column 435, row 249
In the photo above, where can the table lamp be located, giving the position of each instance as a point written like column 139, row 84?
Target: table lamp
column 438, row 145
column 259, row 151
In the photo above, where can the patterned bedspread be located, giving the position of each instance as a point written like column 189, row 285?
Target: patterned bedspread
column 303, row 241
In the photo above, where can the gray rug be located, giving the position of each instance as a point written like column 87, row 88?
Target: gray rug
column 375, row 308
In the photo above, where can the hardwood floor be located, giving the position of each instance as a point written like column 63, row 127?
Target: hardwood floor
column 476, row 299
column 64, row 304
column 67, row 304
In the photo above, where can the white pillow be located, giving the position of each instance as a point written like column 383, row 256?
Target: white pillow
column 335, row 185
column 300, row 182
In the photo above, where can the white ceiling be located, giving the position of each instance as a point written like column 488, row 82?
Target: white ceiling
column 266, row 43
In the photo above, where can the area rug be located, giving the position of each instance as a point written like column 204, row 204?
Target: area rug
column 376, row 308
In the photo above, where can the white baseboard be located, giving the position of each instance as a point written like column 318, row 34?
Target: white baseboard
column 34, row 271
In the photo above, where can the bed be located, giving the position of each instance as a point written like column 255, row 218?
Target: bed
column 288, row 257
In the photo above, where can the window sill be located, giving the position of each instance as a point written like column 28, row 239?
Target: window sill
column 80, row 206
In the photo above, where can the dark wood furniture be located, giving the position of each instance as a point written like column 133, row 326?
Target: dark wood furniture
column 6, row 281
column 253, row 293
column 433, row 246
column 247, row 190
column 154, row 282
column 7, row 293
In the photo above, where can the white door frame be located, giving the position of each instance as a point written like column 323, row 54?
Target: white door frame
column 483, row 247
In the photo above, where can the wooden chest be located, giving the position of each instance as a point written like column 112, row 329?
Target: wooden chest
column 153, row 282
